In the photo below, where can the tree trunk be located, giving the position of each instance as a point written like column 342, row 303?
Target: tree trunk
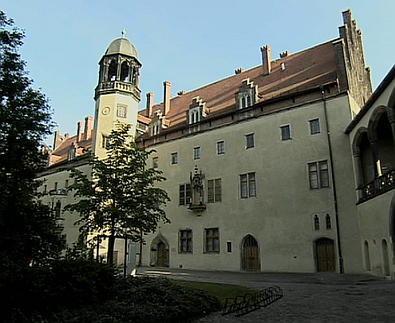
column 110, row 251
column 111, row 243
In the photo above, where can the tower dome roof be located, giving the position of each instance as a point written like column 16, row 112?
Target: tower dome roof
column 122, row 46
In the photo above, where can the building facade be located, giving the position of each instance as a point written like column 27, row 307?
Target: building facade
column 259, row 167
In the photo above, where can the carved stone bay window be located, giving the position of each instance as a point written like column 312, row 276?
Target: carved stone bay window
column 247, row 95
column 197, row 199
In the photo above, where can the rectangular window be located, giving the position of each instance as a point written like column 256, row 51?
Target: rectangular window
column 318, row 175
column 250, row 143
column 155, row 162
column 105, row 142
column 174, row 158
column 247, row 185
column 221, row 147
column 66, row 183
column 196, row 153
column 214, row 190
column 185, row 194
column 185, row 241
column 212, row 240
column 121, row 111
column 315, row 126
column 229, row 246
column 285, row 132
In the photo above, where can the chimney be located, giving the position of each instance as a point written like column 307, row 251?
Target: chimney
column 266, row 59
column 57, row 140
column 166, row 102
column 150, row 103
column 88, row 128
column 285, row 54
column 239, row 70
column 79, row 131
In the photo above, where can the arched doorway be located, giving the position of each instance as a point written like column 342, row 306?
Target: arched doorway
column 159, row 252
column 162, row 255
column 367, row 256
column 386, row 262
column 325, row 254
column 250, row 254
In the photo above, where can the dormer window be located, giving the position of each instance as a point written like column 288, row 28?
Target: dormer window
column 158, row 123
column 155, row 128
column 247, row 95
column 72, row 152
column 197, row 110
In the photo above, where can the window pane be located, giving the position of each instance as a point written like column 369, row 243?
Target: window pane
column 285, row 133
column 316, row 223
column 251, row 184
column 313, row 175
column 243, row 186
column 315, row 126
column 155, row 162
column 182, row 195
column 218, row 190
column 328, row 222
column 210, row 191
column 196, row 153
column 324, row 175
column 174, row 158
column 250, row 141
column 188, row 193
column 220, row 147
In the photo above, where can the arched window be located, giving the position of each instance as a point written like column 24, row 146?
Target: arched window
column 367, row 256
column 316, row 222
column 112, row 71
column 125, row 72
column 328, row 222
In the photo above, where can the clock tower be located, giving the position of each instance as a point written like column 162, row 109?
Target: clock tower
column 117, row 94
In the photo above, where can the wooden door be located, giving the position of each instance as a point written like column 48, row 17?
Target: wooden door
column 251, row 254
column 325, row 252
column 162, row 255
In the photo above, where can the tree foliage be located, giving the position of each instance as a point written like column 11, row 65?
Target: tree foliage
column 119, row 198
column 27, row 229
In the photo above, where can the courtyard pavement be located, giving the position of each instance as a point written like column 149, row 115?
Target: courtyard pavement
column 312, row 298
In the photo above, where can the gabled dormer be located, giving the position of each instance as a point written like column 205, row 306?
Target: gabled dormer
column 158, row 123
column 197, row 111
column 247, row 95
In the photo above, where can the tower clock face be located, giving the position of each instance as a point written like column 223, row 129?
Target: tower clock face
column 105, row 110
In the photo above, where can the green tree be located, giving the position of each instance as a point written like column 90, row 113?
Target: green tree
column 119, row 198
column 27, row 228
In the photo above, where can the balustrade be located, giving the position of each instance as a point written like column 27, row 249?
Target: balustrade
column 378, row 186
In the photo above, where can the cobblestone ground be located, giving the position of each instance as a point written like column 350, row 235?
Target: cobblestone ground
column 309, row 302
column 312, row 298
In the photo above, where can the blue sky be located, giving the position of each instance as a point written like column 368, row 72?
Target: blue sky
column 189, row 43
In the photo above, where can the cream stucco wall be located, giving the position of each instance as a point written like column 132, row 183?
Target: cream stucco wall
column 68, row 219
column 280, row 218
column 106, row 118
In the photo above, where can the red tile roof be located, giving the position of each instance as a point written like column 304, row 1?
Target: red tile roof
column 303, row 70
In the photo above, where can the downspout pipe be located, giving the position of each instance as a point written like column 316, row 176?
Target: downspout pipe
column 339, row 249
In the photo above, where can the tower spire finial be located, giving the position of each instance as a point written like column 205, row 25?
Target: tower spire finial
column 123, row 32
